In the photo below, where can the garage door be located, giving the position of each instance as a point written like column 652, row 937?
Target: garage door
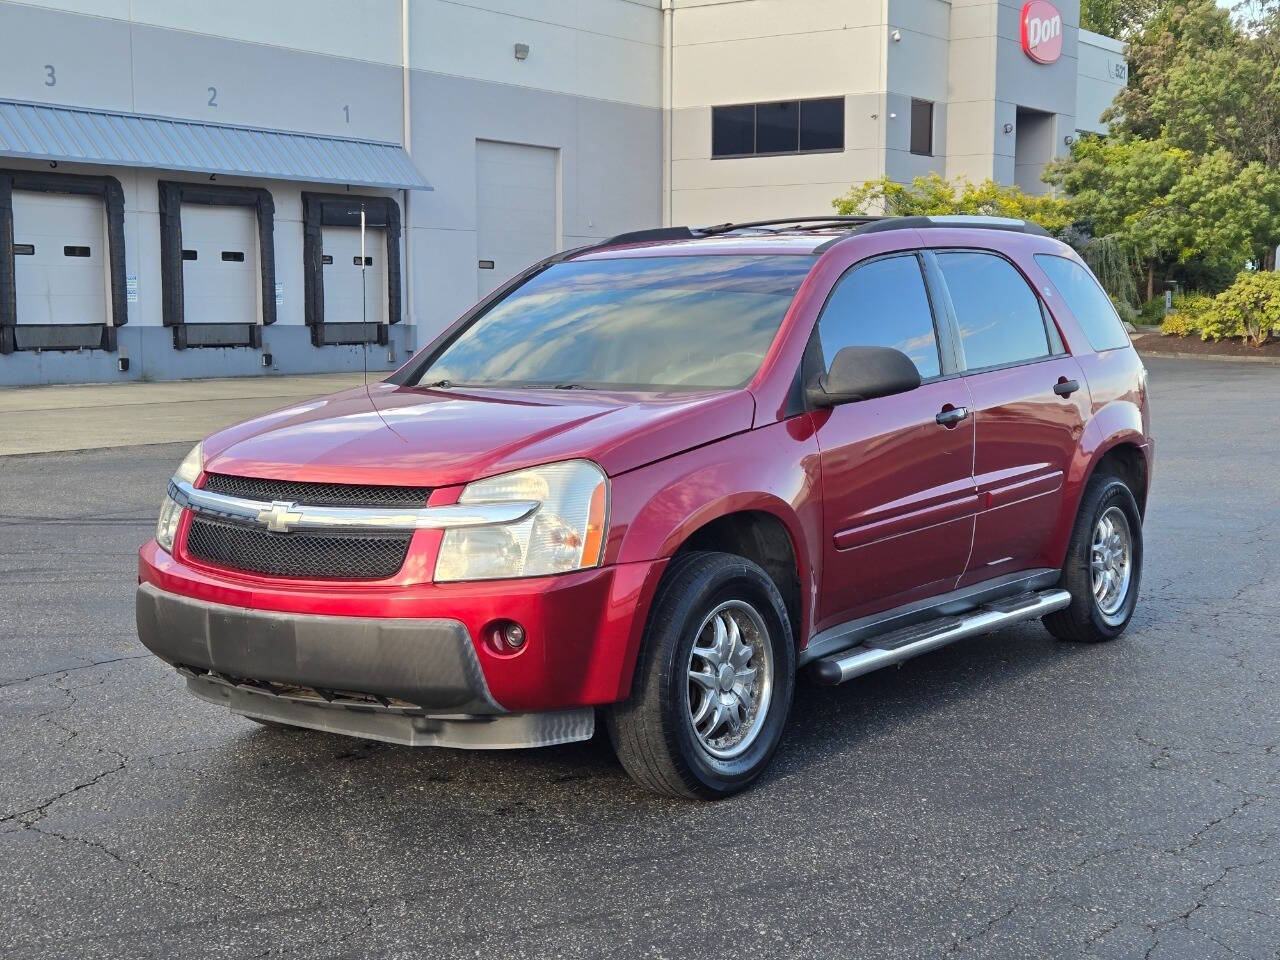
column 60, row 258
column 221, row 282
column 343, row 292
column 517, row 202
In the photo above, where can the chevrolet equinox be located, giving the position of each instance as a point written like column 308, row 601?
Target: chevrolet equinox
column 652, row 479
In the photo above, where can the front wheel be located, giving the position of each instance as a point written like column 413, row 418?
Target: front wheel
column 1103, row 566
column 714, row 681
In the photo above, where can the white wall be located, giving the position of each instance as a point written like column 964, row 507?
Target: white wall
column 602, row 49
column 745, row 51
column 1104, row 71
column 357, row 29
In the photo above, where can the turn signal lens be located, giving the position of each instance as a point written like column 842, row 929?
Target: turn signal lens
column 167, row 525
column 170, row 513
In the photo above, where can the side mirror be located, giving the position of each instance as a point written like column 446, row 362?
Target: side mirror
column 861, row 373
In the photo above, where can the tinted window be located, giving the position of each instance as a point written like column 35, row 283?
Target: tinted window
column 1086, row 300
column 636, row 323
column 778, row 127
column 998, row 314
column 733, row 130
column 922, row 127
column 822, row 124
column 882, row 304
column 787, row 126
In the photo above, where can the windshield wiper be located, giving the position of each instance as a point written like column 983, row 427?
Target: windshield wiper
column 439, row 385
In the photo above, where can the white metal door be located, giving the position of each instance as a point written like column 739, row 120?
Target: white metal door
column 60, row 256
column 221, row 281
column 342, row 280
column 517, row 207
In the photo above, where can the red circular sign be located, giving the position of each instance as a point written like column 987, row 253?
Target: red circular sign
column 1041, row 31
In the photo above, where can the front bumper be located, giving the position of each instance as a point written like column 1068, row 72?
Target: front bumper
column 583, row 630
column 411, row 681
column 427, row 663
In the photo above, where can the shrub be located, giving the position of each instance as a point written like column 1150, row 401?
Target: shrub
column 1152, row 311
column 1126, row 310
column 1249, row 308
column 1188, row 314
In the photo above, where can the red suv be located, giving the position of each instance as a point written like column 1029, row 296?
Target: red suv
column 653, row 479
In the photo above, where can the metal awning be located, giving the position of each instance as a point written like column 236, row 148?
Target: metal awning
column 79, row 135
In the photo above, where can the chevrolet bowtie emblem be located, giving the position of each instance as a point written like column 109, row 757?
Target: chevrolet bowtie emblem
column 280, row 516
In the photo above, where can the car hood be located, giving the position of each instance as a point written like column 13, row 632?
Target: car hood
column 415, row 436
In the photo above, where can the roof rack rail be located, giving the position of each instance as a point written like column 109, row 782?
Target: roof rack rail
column 859, row 224
column 659, row 234
column 973, row 221
column 970, row 221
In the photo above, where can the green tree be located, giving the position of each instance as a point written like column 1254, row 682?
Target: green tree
column 935, row 196
column 1175, row 36
column 1170, row 206
column 1122, row 189
column 1115, row 18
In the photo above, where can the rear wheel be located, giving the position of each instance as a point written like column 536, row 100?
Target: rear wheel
column 714, row 681
column 1103, row 568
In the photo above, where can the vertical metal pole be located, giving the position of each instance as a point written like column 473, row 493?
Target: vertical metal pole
column 364, row 307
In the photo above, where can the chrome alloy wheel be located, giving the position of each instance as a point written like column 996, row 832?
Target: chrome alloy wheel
column 1111, row 563
column 730, row 679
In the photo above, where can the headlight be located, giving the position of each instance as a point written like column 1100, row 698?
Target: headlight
column 565, row 533
column 170, row 512
column 191, row 465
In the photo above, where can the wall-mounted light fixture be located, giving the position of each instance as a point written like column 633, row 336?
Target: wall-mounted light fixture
column 1008, row 128
column 522, row 51
column 897, row 36
column 1068, row 139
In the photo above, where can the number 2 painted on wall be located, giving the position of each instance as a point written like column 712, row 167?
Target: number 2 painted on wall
column 50, row 76
column 213, row 96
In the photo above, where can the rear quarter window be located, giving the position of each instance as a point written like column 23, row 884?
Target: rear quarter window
column 1086, row 300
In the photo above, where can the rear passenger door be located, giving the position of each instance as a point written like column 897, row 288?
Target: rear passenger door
column 897, row 485
column 1029, row 401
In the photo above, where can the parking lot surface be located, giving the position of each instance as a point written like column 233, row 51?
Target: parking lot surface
column 1009, row 796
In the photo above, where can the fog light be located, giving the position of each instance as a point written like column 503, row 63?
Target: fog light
column 513, row 634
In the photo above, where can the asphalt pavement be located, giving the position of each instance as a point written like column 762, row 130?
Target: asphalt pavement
column 1009, row 796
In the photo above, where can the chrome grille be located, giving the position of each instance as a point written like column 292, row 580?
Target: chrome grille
column 317, row 494
column 338, row 556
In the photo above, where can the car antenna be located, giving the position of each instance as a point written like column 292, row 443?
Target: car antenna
column 364, row 310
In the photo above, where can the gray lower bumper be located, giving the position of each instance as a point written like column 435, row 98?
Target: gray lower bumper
column 416, row 682
column 503, row 732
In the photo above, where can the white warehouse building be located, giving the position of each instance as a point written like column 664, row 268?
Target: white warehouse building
column 182, row 184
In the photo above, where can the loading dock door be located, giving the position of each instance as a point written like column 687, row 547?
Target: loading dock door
column 60, row 258
column 221, row 281
column 517, row 207
column 340, row 267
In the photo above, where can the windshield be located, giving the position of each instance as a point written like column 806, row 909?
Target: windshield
column 640, row 323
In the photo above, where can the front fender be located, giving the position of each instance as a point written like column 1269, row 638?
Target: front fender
column 773, row 469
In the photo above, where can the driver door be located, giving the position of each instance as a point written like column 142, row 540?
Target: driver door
column 897, row 472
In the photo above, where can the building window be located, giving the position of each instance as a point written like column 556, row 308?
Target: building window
column 780, row 127
column 922, row 128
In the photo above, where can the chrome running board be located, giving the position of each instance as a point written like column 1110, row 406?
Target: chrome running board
column 908, row 642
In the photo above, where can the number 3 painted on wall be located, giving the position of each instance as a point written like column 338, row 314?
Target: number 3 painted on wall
column 50, row 77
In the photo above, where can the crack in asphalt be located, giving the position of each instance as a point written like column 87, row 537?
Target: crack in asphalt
column 63, row 671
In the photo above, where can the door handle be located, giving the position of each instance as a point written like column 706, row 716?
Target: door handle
column 1065, row 387
column 949, row 416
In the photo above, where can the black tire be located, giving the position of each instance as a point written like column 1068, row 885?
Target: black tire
column 653, row 732
column 1084, row 620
